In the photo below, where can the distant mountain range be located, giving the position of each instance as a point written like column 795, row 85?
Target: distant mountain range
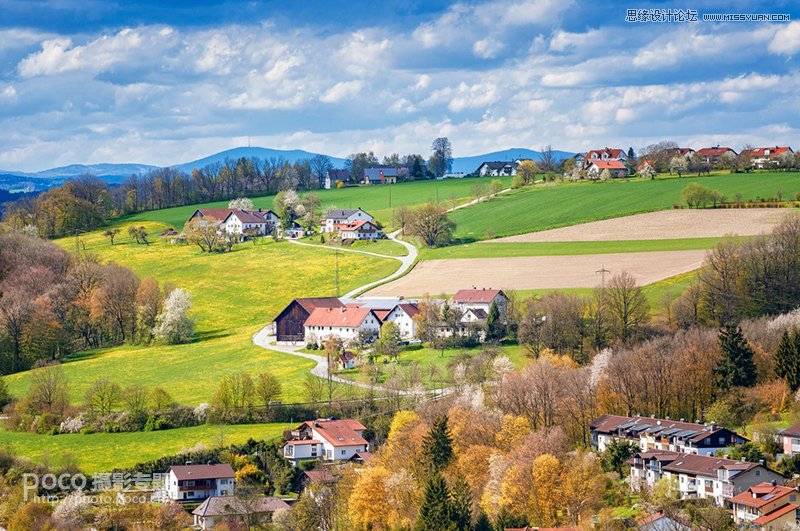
column 17, row 181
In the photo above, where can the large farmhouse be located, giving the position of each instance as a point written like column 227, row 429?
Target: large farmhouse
column 343, row 217
column 237, row 221
column 347, row 324
column 326, row 439
column 481, row 299
column 290, row 323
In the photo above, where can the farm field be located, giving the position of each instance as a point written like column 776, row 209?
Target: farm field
column 377, row 200
column 537, row 272
column 102, row 452
column 234, row 295
column 551, row 206
column 663, row 225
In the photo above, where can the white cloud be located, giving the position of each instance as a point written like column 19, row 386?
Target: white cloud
column 563, row 41
column 786, row 40
column 341, row 91
column 487, row 48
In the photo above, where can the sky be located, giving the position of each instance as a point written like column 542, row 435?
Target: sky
column 165, row 82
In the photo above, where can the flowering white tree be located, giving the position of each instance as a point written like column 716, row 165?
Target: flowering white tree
column 647, row 171
column 605, row 175
column 173, row 324
column 242, row 203
column 678, row 165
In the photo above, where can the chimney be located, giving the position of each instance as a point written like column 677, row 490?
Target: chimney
column 774, row 483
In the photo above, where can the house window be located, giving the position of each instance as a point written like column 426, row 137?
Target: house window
column 343, row 452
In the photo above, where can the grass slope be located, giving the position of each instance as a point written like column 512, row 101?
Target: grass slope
column 234, row 294
column 102, row 452
column 377, row 200
column 558, row 205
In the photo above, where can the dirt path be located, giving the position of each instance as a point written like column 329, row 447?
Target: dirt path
column 664, row 225
column 537, row 272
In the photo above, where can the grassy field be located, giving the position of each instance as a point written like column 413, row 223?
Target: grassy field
column 377, row 200
column 234, row 295
column 496, row 250
column 102, row 452
column 557, row 205
column 385, row 247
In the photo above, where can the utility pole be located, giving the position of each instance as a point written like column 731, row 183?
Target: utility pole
column 602, row 272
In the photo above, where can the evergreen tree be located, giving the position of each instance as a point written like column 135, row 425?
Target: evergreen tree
column 736, row 368
column 482, row 523
column 461, row 504
column 495, row 330
column 616, row 453
column 434, row 513
column 787, row 359
column 438, row 445
column 507, row 519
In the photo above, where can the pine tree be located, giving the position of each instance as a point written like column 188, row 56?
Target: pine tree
column 461, row 504
column 736, row 368
column 482, row 523
column 494, row 326
column 787, row 359
column 438, row 445
column 434, row 513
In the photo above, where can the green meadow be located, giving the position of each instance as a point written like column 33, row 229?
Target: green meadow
column 547, row 206
column 102, row 452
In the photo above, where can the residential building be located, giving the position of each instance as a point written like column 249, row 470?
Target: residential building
column 497, row 168
column 403, row 316
column 348, row 324
column 616, row 168
column 194, row 483
column 699, row 476
column 359, row 230
column 474, row 315
column 333, row 176
column 711, row 155
column 237, row 221
column 661, row 522
column 343, row 217
column 604, row 154
column 326, row 439
column 766, row 157
column 686, row 152
column 290, row 323
column 347, row 360
column 663, row 434
column 766, row 505
column 257, row 511
column 481, row 299
column 381, row 175
column 322, row 475
column 790, row 437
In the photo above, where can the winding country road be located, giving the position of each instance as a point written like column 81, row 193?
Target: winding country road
column 265, row 339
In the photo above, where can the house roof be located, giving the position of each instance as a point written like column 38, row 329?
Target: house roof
column 774, row 515
column 310, row 304
column 774, row 151
column 246, row 217
column 347, row 356
column 691, row 431
column 478, row 313
column 356, row 225
column 655, row 517
column 410, row 308
column 230, row 505
column 342, row 432
column 683, row 151
column 378, row 173
column 342, row 213
column 493, row 165
column 706, row 465
column 341, row 317
column 320, row 475
column 363, row 456
column 183, row 472
column 480, row 296
column 792, row 431
column 607, row 164
column 382, row 314
column 611, row 152
column 761, row 494
column 714, row 151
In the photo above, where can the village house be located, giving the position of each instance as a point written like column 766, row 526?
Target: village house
column 359, row 230
column 194, row 483
column 257, row 511
column 711, row 155
column 594, row 168
column 604, row 154
column 343, row 217
column 497, row 168
column 329, row 440
column 236, row 221
column 685, row 152
column 290, row 323
column 481, row 299
column 663, row 434
column 766, row 506
column 790, row 439
column 347, row 360
column 347, row 324
column 403, row 316
column 333, row 176
column 699, row 476
column 659, row 521
column 381, row 175
column 765, row 157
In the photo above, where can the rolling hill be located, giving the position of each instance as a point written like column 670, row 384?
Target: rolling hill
column 470, row 164
column 253, row 152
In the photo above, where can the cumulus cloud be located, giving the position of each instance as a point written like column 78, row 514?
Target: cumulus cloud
column 341, row 90
column 786, row 40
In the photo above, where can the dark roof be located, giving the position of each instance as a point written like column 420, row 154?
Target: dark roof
column 310, row 304
column 183, row 472
column 230, row 505
column 692, row 431
column 479, row 313
column 410, row 308
column 343, row 213
column 320, row 475
column 706, row 465
column 792, row 431
column 477, row 295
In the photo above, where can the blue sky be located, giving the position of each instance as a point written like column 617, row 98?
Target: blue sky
column 170, row 81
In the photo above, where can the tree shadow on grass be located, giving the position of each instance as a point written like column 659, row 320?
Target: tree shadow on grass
column 206, row 335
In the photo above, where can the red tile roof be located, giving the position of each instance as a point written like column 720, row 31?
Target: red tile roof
column 410, row 308
column 607, row 164
column 343, row 432
column 762, row 490
column 774, row 515
column 774, row 151
column 310, row 304
column 382, row 314
column 792, row 431
column 611, row 152
column 480, row 296
column 183, row 472
column 339, row 317
column 714, row 151
column 320, row 475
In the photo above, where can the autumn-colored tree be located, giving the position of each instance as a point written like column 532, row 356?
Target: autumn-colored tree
column 513, row 430
column 582, row 486
column 368, row 505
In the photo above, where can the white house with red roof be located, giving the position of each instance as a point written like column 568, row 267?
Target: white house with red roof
column 711, row 155
column 765, row 157
column 481, row 299
column 193, row 483
column 359, row 230
column 346, row 323
column 403, row 316
column 766, row 505
column 790, row 439
column 330, row 440
column 615, row 168
column 342, row 217
column 604, row 154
